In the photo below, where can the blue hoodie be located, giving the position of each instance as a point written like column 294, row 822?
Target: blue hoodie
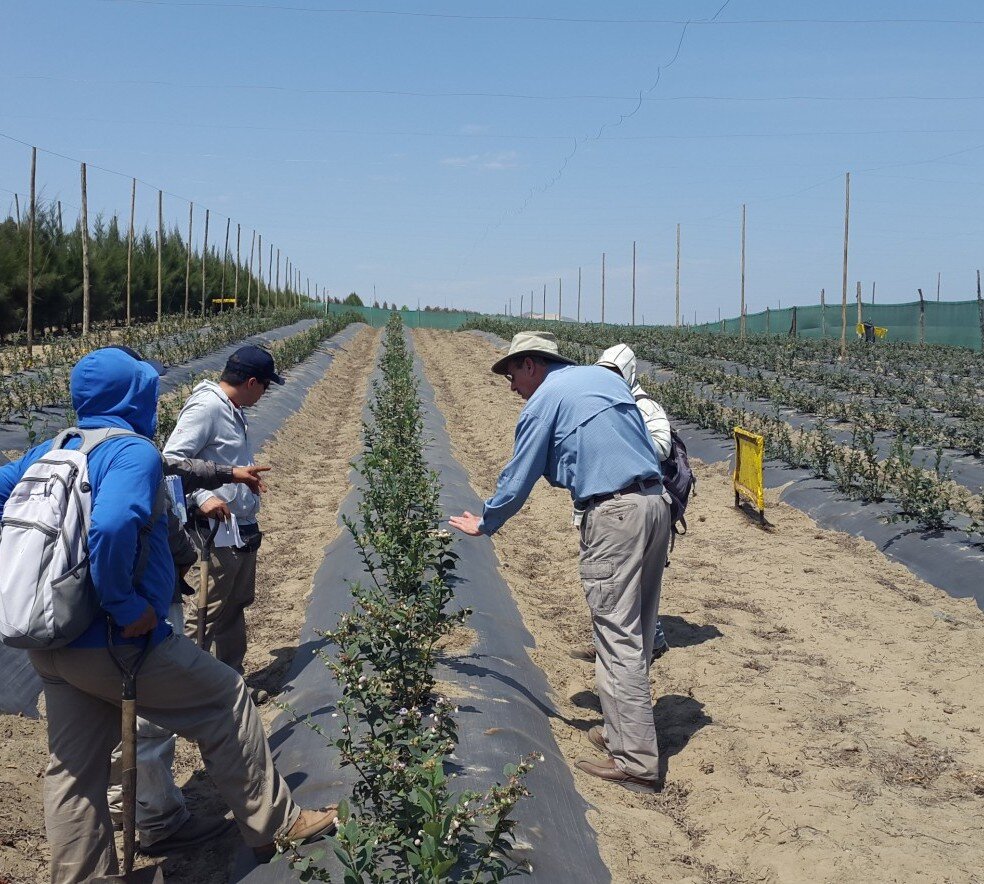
column 112, row 389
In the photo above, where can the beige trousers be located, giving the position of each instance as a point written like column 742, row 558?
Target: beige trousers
column 623, row 553
column 231, row 589
column 180, row 688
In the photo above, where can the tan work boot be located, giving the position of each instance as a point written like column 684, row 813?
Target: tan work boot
column 309, row 826
column 608, row 770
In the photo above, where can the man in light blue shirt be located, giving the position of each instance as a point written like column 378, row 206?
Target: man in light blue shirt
column 581, row 430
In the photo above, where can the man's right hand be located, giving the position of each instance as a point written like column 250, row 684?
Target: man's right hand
column 214, row 508
column 250, row 477
column 145, row 623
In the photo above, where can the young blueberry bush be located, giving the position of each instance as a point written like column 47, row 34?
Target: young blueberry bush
column 404, row 822
column 887, row 396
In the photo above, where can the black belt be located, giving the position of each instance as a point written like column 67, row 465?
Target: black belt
column 638, row 485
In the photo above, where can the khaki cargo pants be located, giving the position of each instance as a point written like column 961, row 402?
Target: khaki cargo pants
column 179, row 688
column 231, row 589
column 623, row 553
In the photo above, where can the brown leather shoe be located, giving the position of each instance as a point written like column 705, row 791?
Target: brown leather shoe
column 309, row 826
column 609, row 771
column 596, row 737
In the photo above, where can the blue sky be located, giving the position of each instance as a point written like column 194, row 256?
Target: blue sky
column 468, row 153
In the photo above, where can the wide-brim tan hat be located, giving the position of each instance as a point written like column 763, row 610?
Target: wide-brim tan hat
column 532, row 343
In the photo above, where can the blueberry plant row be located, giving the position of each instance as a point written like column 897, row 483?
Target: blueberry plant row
column 287, row 352
column 924, row 494
column 45, row 383
column 404, row 821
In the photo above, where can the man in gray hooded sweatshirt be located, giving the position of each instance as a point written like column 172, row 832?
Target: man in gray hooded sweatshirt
column 212, row 426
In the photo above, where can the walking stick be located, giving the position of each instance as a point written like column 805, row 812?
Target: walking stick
column 204, row 561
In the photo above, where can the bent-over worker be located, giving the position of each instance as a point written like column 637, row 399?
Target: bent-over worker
column 581, row 430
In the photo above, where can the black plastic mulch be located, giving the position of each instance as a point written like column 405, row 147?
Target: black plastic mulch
column 504, row 706
column 946, row 559
column 21, row 686
column 51, row 421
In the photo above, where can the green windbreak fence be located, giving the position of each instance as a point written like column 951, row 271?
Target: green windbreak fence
column 934, row 322
column 378, row 317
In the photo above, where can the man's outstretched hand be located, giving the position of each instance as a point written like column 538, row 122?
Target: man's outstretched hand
column 466, row 523
column 250, row 477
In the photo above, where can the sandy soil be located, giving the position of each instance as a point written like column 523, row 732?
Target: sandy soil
column 310, row 456
column 819, row 709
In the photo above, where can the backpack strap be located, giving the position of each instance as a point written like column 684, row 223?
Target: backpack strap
column 93, row 438
column 156, row 511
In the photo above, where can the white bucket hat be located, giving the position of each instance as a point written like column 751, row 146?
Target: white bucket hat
column 532, row 343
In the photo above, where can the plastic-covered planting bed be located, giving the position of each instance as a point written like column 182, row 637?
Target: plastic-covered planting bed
column 503, row 697
column 945, row 559
column 20, row 687
column 964, row 469
column 51, row 421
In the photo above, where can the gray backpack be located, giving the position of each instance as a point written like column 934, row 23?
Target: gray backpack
column 46, row 597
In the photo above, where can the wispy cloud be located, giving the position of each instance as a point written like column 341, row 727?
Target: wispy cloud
column 497, row 161
column 474, row 129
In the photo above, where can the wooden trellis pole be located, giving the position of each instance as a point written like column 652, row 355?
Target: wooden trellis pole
column 922, row 318
column 823, row 315
column 560, row 298
column 61, row 220
column 259, row 274
column 270, row 274
column 522, row 307
column 633, row 281
column 85, row 256
column 847, row 222
column 160, row 254
column 17, row 210
column 741, row 320
column 544, row 301
column 249, row 275
column 678, row 278
column 860, row 318
column 235, row 290
column 277, row 289
column 30, row 254
column 602, row 288
column 129, row 253
column 191, row 214
column 204, row 256
column 225, row 260
column 579, row 295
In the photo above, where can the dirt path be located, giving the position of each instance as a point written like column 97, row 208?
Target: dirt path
column 310, row 456
column 820, row 707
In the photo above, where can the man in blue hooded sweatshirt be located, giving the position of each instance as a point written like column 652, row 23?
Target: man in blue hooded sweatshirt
column 179, row 686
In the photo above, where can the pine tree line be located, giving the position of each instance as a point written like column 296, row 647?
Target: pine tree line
column 58, row 274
